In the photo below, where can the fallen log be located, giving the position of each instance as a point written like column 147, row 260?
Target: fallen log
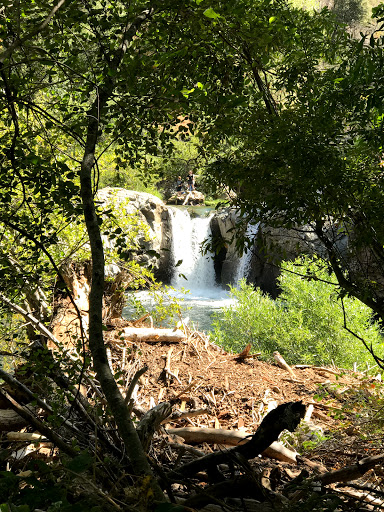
column 149, row 334
column 285, row 417
column 25, row 436
column 231, row 438
column 351, row 472
column 10, row 420
column 345, row 474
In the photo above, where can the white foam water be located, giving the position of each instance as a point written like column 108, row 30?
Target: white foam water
column 195, row 271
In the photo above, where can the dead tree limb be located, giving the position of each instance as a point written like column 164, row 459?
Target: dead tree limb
column 153, row 335
column 15, row 384
column 285, row 417
column 232, row 438
column 133, row 383
column 39, row 425
column 34, row 321
column 352, row 472
column 151, row 422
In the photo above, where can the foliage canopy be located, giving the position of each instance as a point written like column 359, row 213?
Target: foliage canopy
column 285, row 103
column 303, row 145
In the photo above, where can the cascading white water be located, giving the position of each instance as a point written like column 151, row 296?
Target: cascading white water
column 245, row 260
column 195, row 271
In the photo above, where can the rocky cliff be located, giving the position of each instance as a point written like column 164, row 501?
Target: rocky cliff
column 270, row 246
column 155, row 214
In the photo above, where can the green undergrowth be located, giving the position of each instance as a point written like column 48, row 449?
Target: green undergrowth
column 305, row 324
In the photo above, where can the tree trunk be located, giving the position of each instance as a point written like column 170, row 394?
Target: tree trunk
column 109, row 386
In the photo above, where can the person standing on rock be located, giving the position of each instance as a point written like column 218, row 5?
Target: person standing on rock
column 179, row 185
column 191, row 181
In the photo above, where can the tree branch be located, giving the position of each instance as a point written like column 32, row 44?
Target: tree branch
column 285, row 416
column 39, row 425
column 20, row 41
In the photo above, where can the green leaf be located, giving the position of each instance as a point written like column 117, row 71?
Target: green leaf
column 186, row 92
column 80, row 463
column 272, row 19
column 210, row 13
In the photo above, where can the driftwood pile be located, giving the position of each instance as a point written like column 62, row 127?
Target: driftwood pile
column 209, row 421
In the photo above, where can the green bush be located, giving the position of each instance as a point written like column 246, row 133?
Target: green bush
column 165, row 308
column 305, row 324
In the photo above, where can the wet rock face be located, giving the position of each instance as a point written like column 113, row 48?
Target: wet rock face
column 270, row 247
column 155, row 214
column 227, row 259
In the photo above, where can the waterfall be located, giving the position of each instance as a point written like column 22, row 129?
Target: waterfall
column 246, row 258
column 196, row 271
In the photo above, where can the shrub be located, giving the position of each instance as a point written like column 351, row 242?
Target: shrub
column 305, row 324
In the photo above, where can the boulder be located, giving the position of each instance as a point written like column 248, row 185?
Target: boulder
column 191, row 198
column 274, row 245
column 155, row 214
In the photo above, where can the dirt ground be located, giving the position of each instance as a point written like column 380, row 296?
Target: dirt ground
column 215, row 393
column 212, row 389
column 235, row 393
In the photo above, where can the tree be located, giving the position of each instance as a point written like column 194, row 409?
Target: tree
column 75, row 80
column 72, row 78
column 83, row 76
column 310, row 153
